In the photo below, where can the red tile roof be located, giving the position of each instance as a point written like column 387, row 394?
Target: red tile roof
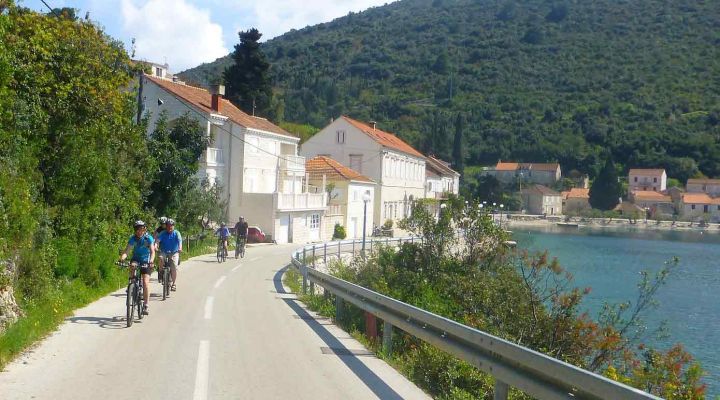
column 333, row 170
column 439, row 166
column 650, row 172
column 512, row 166
column 699, row 198
column 200, row 99
column 649, row 195
column 384, row 138
column 704, row 181
column 576, row 193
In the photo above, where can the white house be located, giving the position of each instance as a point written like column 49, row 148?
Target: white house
column 539, row 199
column 396, row 167
column 647, row 179
column 350, row 190
column 440, row 179
column 700, row 206
column 255, row 161
column 709, row 186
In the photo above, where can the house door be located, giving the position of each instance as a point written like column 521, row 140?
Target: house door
column 283, row 235
column 314, row 227
column 352, row 228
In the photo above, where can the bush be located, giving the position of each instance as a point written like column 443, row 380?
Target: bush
column 339, row 232
column 388, row 224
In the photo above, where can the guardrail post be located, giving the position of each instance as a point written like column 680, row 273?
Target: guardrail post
column 313, row 257
column 312, row 288
column 338, row 308
column 325, row 254
column 501, row 390
column 387, row 337
column 353, row 243
column 303, row 272
column 338, row 250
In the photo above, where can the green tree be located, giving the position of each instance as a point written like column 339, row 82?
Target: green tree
column 458, row 148
column 606, row 189
column 247, row 79
column 177, row 146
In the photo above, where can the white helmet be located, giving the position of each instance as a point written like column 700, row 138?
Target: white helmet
column 163, row 220
column 139, row 224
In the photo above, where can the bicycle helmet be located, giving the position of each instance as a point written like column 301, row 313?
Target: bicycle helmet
column 222, row 224
column 163, row 220
column 170, row 221
column 138, row 224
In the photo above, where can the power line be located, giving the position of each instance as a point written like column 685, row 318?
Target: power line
column 52, row 10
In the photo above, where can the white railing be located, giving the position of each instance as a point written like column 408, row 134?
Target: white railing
column 214, row 156
column 292, row 162
column 511, row 365
column 299, row 201
column 334, row 209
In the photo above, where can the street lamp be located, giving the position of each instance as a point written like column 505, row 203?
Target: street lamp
column 365, row 199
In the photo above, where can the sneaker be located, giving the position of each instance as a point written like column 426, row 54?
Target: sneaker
column 145, row 310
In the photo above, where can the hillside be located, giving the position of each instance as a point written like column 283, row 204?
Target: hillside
column 536, row 80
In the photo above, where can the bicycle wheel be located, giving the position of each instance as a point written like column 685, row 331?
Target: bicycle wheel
column 224, row 254
column 237, row 249
column 242, row 251
column 139, row 302
column 166, row 282
column 130, row 304
column 219, row 253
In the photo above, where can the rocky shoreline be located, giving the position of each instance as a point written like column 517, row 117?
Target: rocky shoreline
column 615, row 223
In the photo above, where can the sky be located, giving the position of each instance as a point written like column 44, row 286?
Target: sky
column 186, row 33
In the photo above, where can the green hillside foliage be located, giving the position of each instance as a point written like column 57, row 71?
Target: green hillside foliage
column 536, row 80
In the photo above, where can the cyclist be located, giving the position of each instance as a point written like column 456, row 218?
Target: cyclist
column 160, row 229
column 241, row 231
column 224, row 233
column 143, row 254
column 170, row 241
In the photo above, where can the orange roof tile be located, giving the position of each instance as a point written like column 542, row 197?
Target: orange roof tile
column 512, row 166
column 384, row 138
column 649, row 195
column 704, row 181
column 643, row 171
column 200, row 98
column 333, row 170
column 438, row 166
column 576, row 193
column 699, row 198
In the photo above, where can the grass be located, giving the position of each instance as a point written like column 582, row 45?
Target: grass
column 43, row 316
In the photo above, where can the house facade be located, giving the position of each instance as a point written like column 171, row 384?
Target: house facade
column 700, row 206
column 254, row 161
column 647, row 180
column 709, row 186
column 575, row 200
column 397, row 169
column 440, row 179
column 541, row 200
column 348, row 190
column 537, row 173
column 655, row 204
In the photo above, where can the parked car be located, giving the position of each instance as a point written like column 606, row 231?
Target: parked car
column 255, row 235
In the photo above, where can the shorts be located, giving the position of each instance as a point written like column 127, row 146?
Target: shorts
column 175, row 260
column 145, row 268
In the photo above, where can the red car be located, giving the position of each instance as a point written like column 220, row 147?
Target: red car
column 255, row 235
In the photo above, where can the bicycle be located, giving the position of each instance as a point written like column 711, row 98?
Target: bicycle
column 240, row 246
column 166, row 277
column 134, row 292
column 221, row 250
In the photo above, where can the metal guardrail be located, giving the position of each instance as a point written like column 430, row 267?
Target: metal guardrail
column 511, row 365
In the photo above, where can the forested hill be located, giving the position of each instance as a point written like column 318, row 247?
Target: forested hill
column 536, row 80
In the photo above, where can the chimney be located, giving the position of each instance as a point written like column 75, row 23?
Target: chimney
column 216, row 93
column 374, row 124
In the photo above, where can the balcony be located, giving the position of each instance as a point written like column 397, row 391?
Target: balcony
column 214, row 157
column 289, row 162
column 300, row 201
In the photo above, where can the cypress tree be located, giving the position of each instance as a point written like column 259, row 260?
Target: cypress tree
column 458, row 156
column 605, row 190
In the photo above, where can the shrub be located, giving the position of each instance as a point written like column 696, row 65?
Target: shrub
column 339, row 232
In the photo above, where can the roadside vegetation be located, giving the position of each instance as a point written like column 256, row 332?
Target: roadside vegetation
column 473, row 278
column 76, row 170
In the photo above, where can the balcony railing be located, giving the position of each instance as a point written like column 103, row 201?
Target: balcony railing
column 300, row 201
column 291, row 162
column 214, row 157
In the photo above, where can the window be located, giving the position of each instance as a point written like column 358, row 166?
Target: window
column 705, row 208
column 654, row 180
column 314, row 221
column 356, row 162
column 636, row 179
column 340, row 137
column 158, row 72
column 692, row 207
column 356, row 195
column 253, row 144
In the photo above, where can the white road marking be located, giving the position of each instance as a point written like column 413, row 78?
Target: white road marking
column 209, row 307
column 236, row 268
column 256, row 258
column 203, row 371
column 219, row 281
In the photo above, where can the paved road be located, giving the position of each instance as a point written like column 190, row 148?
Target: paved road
column 229, row 332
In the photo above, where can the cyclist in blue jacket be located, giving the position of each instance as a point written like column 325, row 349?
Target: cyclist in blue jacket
column 143, row 254
column 224, row 233
column 170, row 241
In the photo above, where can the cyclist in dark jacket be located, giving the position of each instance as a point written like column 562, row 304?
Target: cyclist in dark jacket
column 241, row 231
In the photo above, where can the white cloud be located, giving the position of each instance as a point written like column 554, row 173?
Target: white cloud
column 173, row 30
column 275, row 17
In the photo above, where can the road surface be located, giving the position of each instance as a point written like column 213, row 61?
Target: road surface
column 229, row 332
